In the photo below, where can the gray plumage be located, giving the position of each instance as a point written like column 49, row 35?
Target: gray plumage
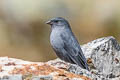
column 65, row 44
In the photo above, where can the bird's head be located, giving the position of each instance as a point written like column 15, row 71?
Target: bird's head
column 58, row 22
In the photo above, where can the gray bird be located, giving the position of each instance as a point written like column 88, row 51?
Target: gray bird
column 65, row 43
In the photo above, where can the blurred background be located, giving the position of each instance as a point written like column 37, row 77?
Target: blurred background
column 24, row 34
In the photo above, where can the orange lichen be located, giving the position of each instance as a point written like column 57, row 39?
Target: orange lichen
column 45, row 69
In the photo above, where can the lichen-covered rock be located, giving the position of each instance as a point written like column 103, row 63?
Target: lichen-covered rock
column 103, row 57
column 16, row 69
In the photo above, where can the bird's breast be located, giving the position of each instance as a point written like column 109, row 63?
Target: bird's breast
column 55, row 39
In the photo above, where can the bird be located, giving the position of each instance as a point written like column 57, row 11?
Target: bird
column 65, row 44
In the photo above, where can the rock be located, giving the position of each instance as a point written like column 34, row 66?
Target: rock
column 104, row 54
column 103, row 57
column 16, row 69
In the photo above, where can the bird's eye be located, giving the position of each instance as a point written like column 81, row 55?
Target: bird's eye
column 56, row 21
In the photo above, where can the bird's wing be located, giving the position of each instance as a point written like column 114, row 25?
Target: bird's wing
column 72, row 47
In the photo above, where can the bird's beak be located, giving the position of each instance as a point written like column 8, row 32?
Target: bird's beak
column 49, row 22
